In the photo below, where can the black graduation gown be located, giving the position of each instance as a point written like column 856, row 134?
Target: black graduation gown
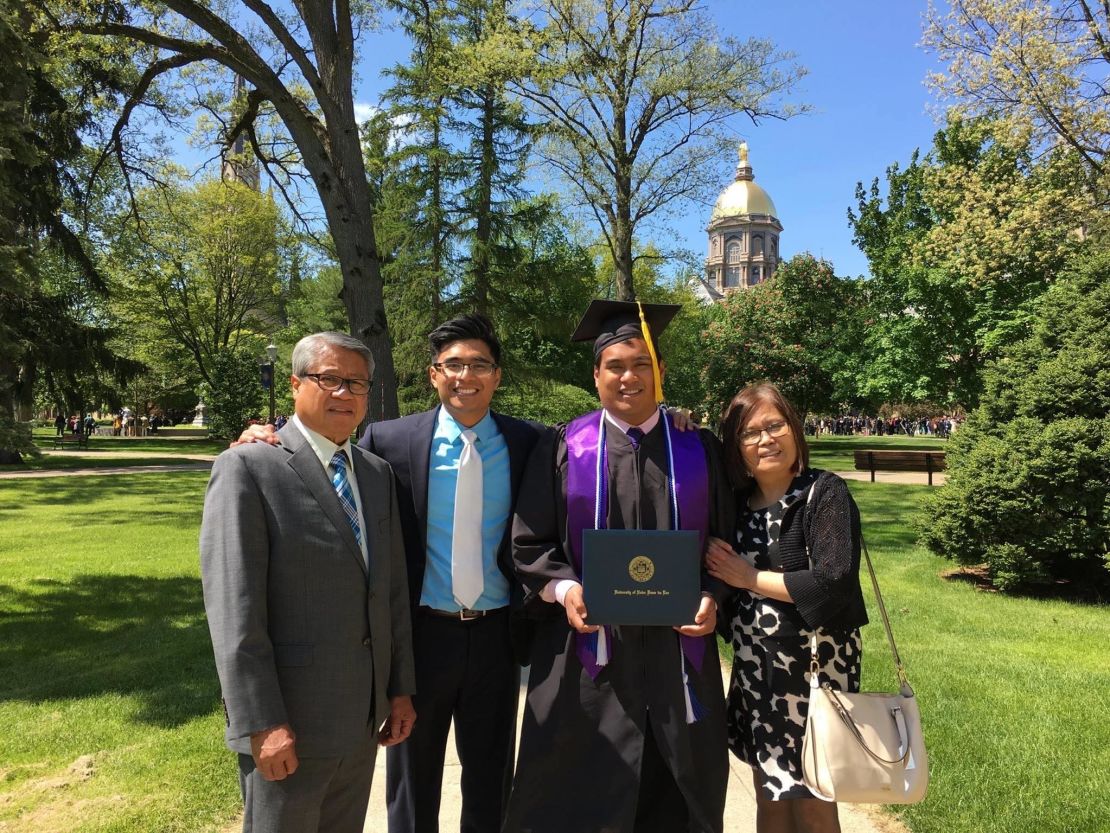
column 582, row 741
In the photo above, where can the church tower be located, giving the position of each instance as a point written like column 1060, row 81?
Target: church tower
column 239, row 164
column 743, row 235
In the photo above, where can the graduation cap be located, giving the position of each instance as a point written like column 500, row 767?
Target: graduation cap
column 611, row 322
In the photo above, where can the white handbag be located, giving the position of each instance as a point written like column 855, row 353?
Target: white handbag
column 865, row 747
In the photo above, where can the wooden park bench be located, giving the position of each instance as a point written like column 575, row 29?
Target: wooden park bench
column 192, row 433
column 885, row 460
column 70, row 440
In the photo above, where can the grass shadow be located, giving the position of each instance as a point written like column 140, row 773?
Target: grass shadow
column 1062, row 590
column 175, row 496
column 96, row 634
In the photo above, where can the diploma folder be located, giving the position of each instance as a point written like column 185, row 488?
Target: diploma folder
column 640, row 576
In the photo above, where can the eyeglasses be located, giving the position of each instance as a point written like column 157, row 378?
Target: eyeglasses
column 356, row 387
column 454, row 368
column 753, row 435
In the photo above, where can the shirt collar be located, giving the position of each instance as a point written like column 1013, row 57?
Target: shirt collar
column 323, row 447
column 449, row 429
column 644, row 426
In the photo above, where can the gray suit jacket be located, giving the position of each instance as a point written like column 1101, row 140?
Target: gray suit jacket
column 301, row 634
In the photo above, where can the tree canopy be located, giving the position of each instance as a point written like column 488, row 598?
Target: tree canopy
column 960, row 245
column 800, row 329
column 298, row 66
column 637, row 99
column 50, row 287
column 1040, row 66
column 1028, row 487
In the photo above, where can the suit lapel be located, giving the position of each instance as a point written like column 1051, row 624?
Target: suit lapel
column 303, row 460
column 420, row 455
column 518, row 458
column 518, row 452
column 371, row 496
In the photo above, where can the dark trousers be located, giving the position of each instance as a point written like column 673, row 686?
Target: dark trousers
column 660, row 805
column 464, row 672
column 324, row 795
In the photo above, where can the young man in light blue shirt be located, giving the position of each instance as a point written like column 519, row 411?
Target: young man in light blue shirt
column 458, row 468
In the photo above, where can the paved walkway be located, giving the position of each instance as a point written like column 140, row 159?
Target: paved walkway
column 914, row 478
column 200, row 462
column 192, row 462
column 30, row 475
column 739, row 801
column 124, row 455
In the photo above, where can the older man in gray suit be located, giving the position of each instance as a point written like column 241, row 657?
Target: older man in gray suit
column 305, row 587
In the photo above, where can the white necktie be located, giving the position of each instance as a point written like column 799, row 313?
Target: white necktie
column 466, row 531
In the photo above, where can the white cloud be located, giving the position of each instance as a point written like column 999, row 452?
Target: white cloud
column 364, row 112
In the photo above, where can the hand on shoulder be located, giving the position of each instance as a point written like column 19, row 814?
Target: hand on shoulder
column 257, row 434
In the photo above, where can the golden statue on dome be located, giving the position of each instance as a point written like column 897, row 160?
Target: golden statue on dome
column 744, row 163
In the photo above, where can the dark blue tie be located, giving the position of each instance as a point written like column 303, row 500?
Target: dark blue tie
column 635, row 435
column 346, row 496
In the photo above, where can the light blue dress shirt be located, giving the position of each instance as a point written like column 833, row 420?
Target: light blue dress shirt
column 443, row 469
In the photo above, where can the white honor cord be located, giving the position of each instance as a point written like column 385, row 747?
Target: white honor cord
column 602, row 647
column 600, row 473
column 686, row 689
column 602, row 642
column 675, row 522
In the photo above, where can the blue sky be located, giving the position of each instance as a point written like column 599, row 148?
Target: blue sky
column 865, row 85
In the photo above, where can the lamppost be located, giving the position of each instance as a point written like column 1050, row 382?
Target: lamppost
column 268, row 375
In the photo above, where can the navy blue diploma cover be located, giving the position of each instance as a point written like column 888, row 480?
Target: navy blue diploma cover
column 641, row 576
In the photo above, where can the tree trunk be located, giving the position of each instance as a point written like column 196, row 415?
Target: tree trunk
column 435, row 213
column 362, row 297
column 329, row 146
column 622, row 241
column 338, row 169
column 9, row 408
column 622, row 208
column 483, row 208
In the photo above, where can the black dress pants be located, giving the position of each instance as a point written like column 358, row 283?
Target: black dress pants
column 465, row 672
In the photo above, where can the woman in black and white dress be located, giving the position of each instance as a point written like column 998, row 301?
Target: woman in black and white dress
column 789, row 514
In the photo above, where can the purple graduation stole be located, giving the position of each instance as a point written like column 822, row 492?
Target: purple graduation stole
column 588, row 503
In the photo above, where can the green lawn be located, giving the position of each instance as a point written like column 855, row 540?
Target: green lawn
column 147, row 445
column 104, row 652
column 105, row 452
column 1014, row 692
column 89, row 460
column 835, row 453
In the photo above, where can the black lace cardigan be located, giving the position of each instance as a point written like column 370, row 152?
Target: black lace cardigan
column 829, row 594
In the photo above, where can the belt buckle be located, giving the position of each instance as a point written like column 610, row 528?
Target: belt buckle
column 473, row 614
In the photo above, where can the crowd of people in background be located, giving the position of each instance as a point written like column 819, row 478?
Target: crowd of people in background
column 123, row 423
column 867, row 426
column 74, row 424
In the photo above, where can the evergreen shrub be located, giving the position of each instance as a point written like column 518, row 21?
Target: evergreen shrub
column 15, row 440
column 1028, row 487
column 549, row 404
column 235, row 394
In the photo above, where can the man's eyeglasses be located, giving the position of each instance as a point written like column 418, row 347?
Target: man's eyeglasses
column 357, row 387
column 753, row 435
column 453, row 368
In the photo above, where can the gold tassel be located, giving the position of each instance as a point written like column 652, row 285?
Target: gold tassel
column 651, row 351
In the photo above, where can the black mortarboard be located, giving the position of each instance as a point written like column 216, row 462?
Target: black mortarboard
column 611, row 322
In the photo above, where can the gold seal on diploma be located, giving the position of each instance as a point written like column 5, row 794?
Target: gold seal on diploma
column 641, row 568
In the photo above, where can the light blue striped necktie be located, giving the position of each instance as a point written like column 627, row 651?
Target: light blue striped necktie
column 342, row 486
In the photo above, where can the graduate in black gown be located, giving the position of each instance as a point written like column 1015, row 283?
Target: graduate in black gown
column 624, row 726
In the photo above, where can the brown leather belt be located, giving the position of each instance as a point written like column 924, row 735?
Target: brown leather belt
column 463, row 615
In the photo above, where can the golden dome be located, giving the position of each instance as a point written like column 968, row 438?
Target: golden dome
column 743, row 196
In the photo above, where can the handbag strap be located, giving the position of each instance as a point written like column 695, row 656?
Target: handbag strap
column 845, row 716
column 814, row 665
